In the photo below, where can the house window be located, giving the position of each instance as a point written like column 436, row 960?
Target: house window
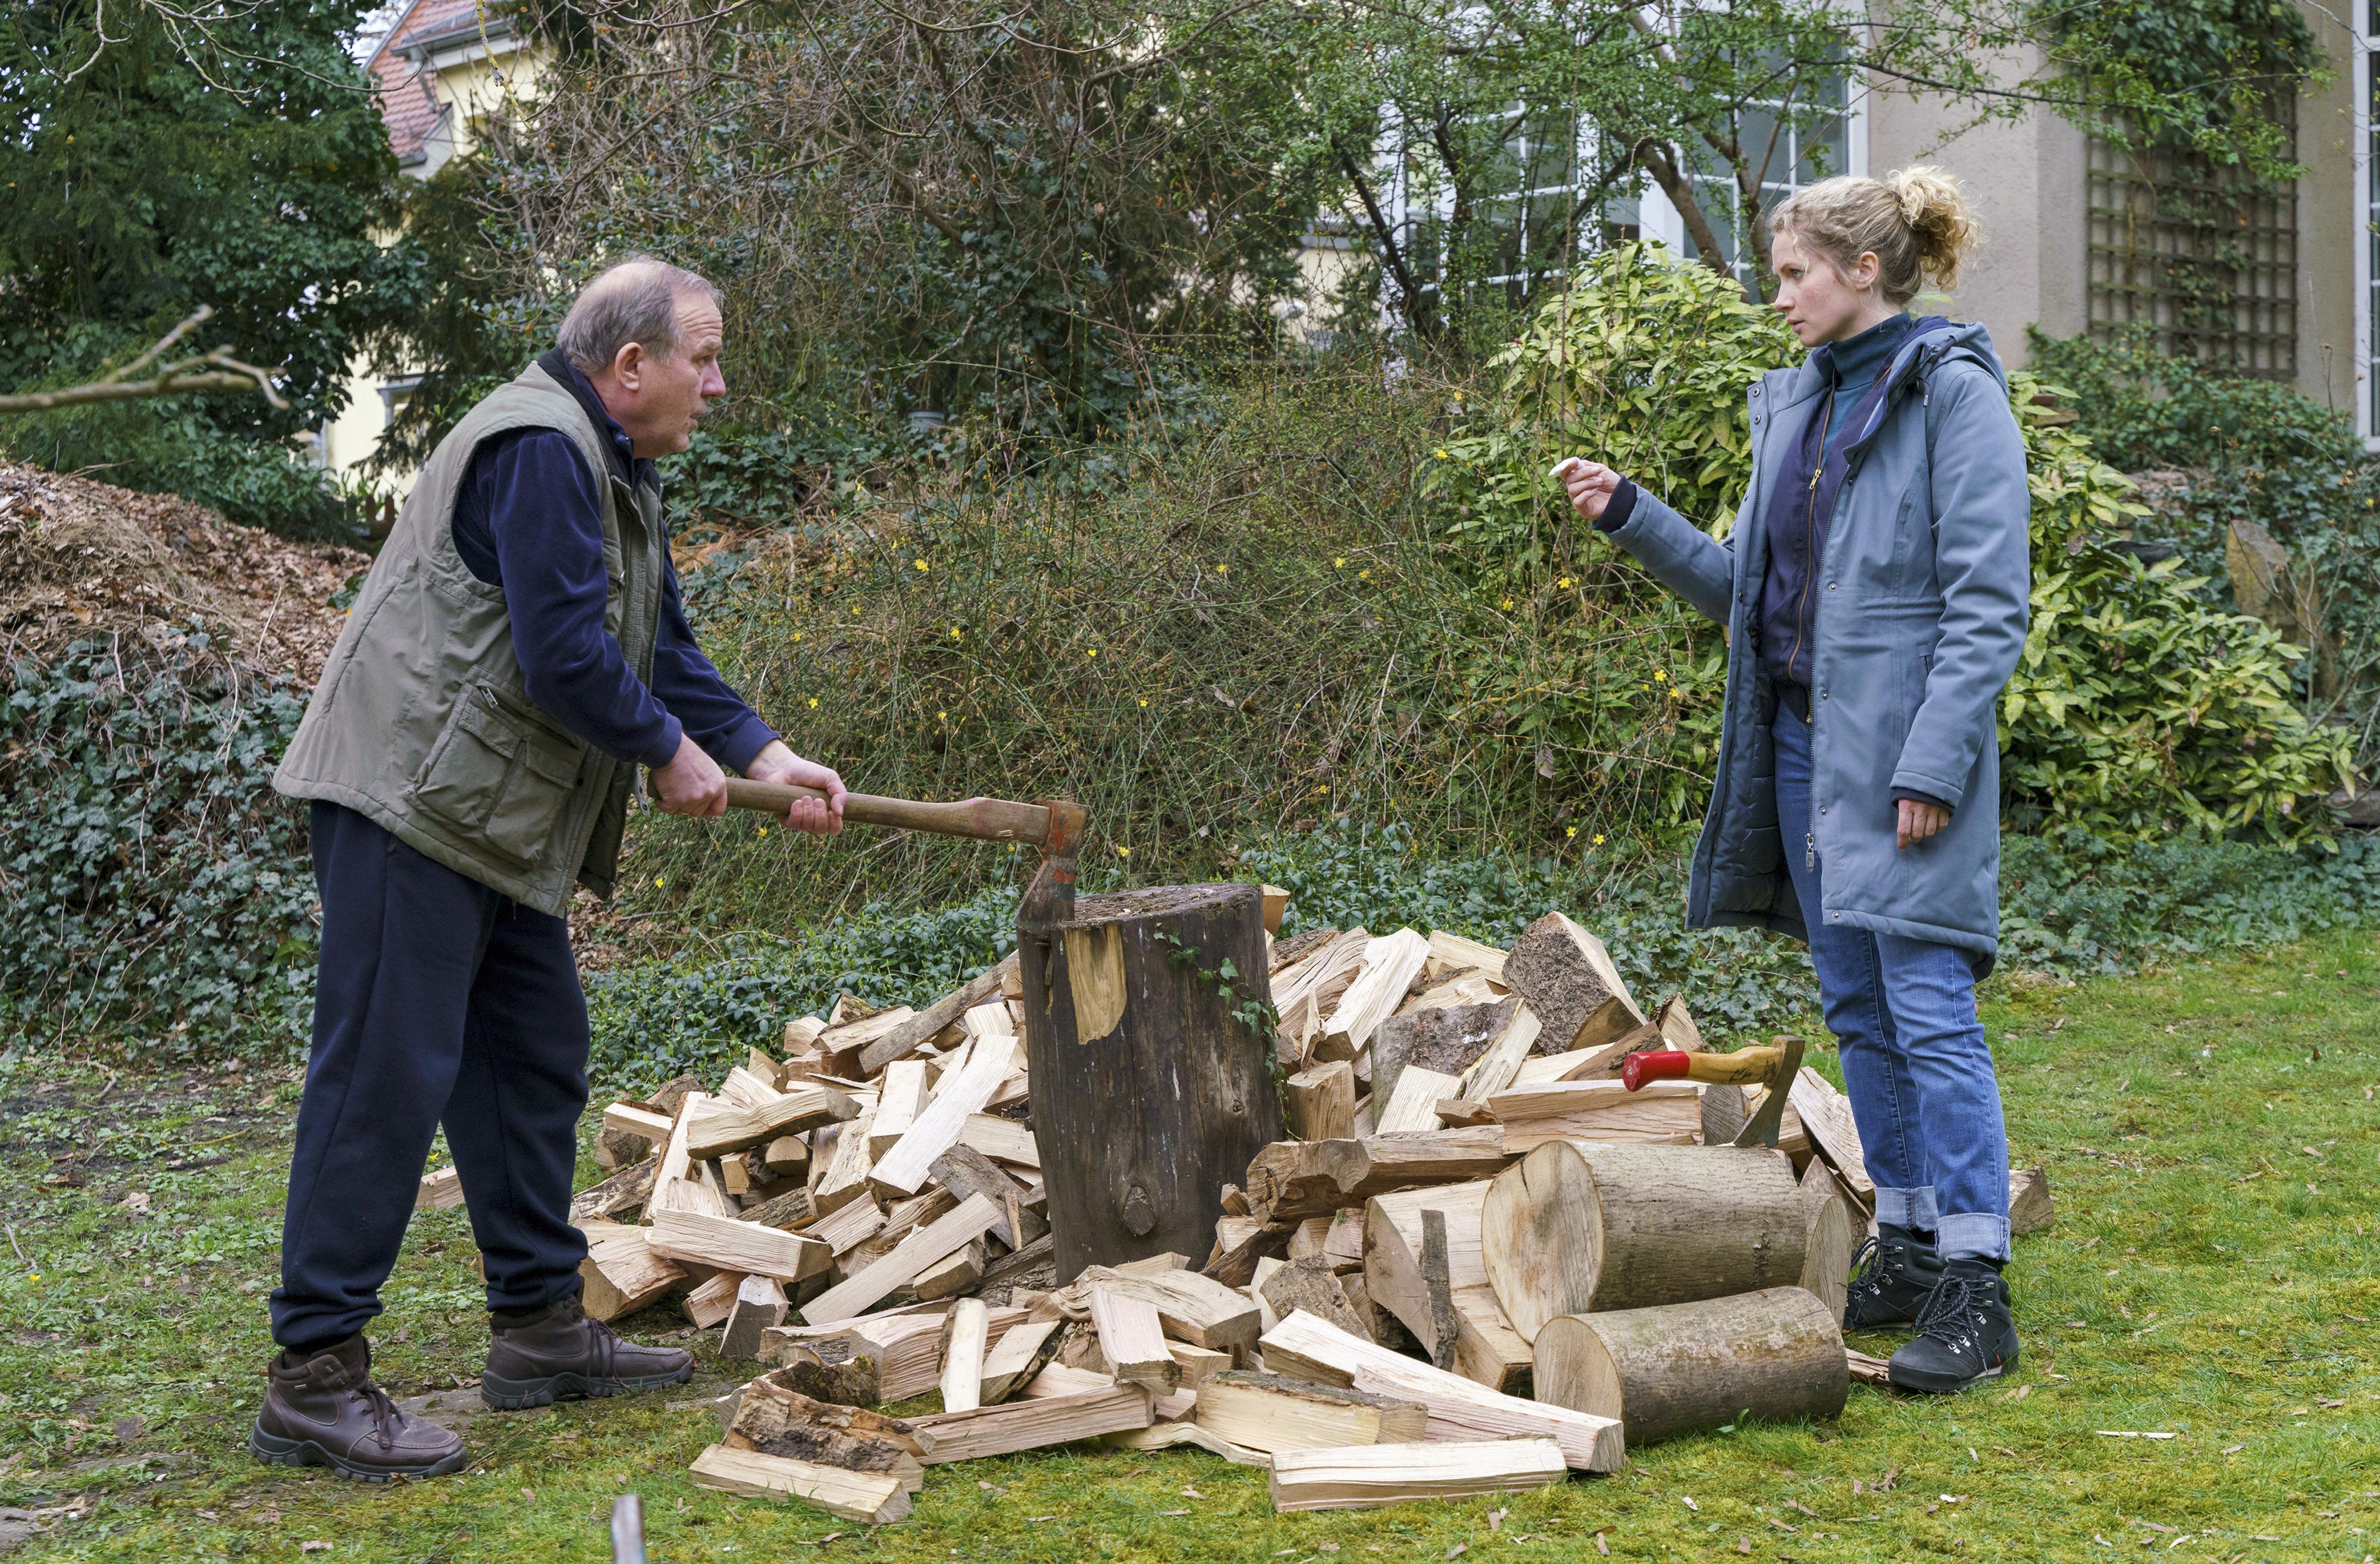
column 1788, row 142
column 1513, row 226
column 2205, row 255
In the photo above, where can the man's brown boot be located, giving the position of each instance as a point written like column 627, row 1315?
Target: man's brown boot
column 323, row 1410
column 561, row 1355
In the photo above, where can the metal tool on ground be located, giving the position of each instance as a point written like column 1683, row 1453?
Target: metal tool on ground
column 1773, row 1068
column 1054, row 826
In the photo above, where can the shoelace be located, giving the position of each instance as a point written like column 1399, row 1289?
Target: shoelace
column 1950, row 1314
column 1865, row 1261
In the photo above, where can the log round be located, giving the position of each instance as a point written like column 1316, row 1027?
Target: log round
column 1776, row 1353
column 1826, row 1249
column 1577, row 1226
column 1149, row 1094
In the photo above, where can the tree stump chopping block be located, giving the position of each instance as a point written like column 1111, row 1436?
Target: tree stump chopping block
column 1151, row 1088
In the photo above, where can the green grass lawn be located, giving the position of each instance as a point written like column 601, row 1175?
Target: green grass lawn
column 2214, row 1274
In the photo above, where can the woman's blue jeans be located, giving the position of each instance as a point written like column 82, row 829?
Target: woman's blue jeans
column 1915, row 1067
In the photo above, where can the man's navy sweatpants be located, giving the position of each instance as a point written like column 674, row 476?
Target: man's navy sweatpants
column 438, row 999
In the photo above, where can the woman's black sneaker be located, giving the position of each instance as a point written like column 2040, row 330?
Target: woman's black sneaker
column 1965, row 1334
column 1892, row 1275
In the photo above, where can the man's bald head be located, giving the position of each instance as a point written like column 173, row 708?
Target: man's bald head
column 636, row 302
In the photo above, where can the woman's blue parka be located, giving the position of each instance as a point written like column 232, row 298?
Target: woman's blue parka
column 1922, row 586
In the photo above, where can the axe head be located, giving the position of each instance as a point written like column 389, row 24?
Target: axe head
column 1049, row 901
column 1761, row 1128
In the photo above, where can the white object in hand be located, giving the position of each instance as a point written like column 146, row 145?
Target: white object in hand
column 1558, row 468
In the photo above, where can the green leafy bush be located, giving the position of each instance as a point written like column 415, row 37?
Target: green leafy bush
column 152, row 884
column 2145, row 409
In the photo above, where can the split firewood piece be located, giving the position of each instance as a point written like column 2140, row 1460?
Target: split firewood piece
column 1275, row 906
column 710, row 1302
column 719, row 1128
column 759, row 1304
column 963, row 1171
column 768, row 1069
column 1826, row 1115
column 900, row 1099
column 1241, row 1244
column 2029, row 1205
column 621, row 1194
column 1305, row 1348
column 1021, row 1354
column 1487, row 1348
column 1664, row 1113
column 1776, row 1353
column 788, row 1157
column 1449, row 1041
column 871, row 1497
column 676, row 1186
column 1413, row 1106
column 441, row 1191
column 739, row 1246
column 1322, row 1102
column 913, row 1032
column 1866, row 1369
column 936, row 1129
column 639, row 1121
column 964, row 1332
column 1577, row 1227
column 943, row 1237
column 907, row 1347
column 1676, row 1025
column 826, row 1369
column 1308, row 1236
column 846, row 1228
column 1291, row 1181
column 845, row 1046
column 1451, row 953
column 1306, row 993
column 735, row 1178
column 1368, row 1476
column 1433, row 1277
column 1273, row 1413
column 1829, row 1241
column 992, row 1019
column 900, row 1218
column 791, row 1209
column 800, row 1033
column 1540, row 1069
column 1390, row 963
column 1003, row 1140
column 1462, row 991
column 1197, row 1362
column 1185, row 1435
column 1310, row 1284
column 621, row 1272
column 1013, row 1266
column 775, row 1417
column 954, row 1274
column 1567, row 977
column 1133, row 1341
column 744, row 1089
column 1190, row 1306
column 1289, row 952
column 843, row 1178
column 1494, row 1069
column 1033, row 1423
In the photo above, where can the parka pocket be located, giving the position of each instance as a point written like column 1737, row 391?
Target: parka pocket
column 500, row 774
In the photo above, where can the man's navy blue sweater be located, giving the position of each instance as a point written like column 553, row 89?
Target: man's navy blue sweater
column 529, row 518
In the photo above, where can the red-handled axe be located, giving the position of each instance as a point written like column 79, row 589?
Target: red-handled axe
column 1773, row 1067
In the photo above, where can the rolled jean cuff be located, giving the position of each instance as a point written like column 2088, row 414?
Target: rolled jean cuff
column 1913, row 1209
column 1969, row 1235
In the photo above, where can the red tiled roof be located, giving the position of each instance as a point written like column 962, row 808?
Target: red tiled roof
column 407, row 104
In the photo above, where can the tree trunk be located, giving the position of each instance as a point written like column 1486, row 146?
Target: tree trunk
column 1776, row 1353
column 1149, row 1092
column 1579, row 1228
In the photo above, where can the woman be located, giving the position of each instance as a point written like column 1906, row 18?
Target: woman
column 1873, row 590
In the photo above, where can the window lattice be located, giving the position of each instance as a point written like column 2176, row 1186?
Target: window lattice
column 2206, row 255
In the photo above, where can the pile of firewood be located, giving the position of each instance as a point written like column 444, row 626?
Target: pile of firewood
column 1482, row 1264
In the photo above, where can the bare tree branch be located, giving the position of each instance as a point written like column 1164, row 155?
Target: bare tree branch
column 212, row 370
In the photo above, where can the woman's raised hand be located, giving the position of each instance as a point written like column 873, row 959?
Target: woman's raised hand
column 1590, row 485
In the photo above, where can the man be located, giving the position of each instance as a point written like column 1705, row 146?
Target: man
column 518, row 649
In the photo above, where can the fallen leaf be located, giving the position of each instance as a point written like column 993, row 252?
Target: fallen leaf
column 1496, row 1518
column 1689, row 1502
column 1743, row 1544
column 2233, row 1449
column 1797, row 1504
column 1458, row 1550
column 1601, row 1546
column 313, row 1548
column 1192, row 1493
column 1174, row 1513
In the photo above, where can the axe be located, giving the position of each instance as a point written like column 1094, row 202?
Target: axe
column 1054, row 826
column 1773, row 1067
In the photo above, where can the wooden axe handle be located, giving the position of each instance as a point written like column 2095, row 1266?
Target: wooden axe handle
column 990, row 820
column 1745, row 1067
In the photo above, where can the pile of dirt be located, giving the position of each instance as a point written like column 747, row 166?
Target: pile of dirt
column 80, row 560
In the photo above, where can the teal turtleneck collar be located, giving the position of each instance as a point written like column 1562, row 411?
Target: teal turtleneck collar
column 1855, row 363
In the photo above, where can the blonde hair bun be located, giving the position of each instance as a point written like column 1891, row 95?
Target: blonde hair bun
column 1915, row 220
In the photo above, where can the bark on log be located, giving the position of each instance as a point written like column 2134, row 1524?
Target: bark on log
column 1776, row 1353
column 1574, row 1228
column 1149, row 1091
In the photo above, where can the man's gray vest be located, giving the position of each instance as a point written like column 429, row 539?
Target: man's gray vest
column 420, row 721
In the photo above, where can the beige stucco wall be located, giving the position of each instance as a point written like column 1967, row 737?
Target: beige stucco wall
column 2330, row 223
column 2024, row 178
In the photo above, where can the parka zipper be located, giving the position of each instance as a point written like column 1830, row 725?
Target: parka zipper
column 1810, row 564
